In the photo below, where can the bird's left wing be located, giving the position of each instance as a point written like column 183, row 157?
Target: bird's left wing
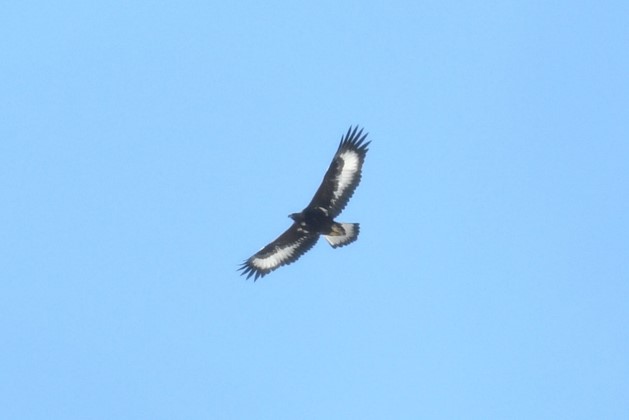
column 343, row 175
column 287, row 248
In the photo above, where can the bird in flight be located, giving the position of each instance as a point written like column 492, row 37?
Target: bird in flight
column 337, row 187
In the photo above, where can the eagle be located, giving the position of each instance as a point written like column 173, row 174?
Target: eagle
column 338, row 186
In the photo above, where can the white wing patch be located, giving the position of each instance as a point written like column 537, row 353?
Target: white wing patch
column 276, row 258
column 349, row 171
column 351, row 234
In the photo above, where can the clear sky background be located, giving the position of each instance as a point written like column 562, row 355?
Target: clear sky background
column 147, row 148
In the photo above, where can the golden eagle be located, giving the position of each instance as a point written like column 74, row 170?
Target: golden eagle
column 317, row 218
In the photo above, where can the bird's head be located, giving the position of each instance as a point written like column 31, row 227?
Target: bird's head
column 296, row 216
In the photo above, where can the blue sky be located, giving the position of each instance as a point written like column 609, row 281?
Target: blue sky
column 147, row 148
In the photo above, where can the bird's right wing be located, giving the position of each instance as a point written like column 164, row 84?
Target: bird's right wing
column 287, row 248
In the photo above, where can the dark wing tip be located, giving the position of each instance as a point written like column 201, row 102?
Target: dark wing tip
column 249, row 270
column 354, row 139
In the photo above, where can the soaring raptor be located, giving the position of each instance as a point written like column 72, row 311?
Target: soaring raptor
column 338, row 186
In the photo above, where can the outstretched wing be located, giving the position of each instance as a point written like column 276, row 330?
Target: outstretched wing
column 287, row 248
column 343, row 175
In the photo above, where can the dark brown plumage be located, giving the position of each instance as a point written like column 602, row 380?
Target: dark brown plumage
column 338, row 186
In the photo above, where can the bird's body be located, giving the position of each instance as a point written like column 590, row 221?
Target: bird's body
column 338, row 186
column 315, row 220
